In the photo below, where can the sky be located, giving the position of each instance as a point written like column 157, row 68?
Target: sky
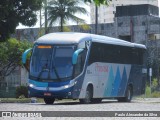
column 85, row 17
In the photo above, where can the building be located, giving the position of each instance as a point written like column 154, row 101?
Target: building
column 106, row 14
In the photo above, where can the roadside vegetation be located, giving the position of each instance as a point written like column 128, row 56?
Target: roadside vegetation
column 153, row 91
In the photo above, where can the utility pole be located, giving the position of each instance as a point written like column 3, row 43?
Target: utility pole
column 40, row 17
column 45, row 15
column 96, row 19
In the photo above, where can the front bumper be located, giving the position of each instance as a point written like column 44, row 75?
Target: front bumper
column 65, row 93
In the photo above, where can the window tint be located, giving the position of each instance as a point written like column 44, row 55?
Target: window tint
column 138, row 56
column 95, row 53
column 115, row 54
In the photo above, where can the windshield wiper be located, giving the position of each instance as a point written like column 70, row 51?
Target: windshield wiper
column 43, row 70
column 47, row 70
column 57, row 75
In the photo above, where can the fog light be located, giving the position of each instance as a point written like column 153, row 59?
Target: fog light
column 69, row 93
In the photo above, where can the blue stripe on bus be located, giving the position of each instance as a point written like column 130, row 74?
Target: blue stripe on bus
column 38, row 84
column 58, row 84
column 123, row 83
column 110, row 81
column 48, row 84
column 116, row 83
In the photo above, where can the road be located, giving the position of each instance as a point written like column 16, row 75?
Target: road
column 108, row 106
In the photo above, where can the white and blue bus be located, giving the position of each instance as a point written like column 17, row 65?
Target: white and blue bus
column 88, row 67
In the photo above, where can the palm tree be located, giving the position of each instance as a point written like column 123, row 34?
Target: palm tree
column 61, row 11
column 98, row 2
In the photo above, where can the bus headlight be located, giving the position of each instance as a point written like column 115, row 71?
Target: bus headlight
column 71, row 84
column 66, row 86
column 31, row 85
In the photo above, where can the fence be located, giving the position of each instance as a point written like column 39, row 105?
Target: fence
column 8, row 86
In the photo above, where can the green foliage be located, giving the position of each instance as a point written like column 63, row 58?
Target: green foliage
column 85, row 27
column 98, row 2
column 156, row 94
column 151, row 91
column 11, row 55
column 21, row 92
column 13, row 12
column 24, row 45
column 66, row 29
column 154, row 83
column 61, row 11
column 147, row 91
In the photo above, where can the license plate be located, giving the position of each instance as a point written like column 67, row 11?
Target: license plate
column 47, row 94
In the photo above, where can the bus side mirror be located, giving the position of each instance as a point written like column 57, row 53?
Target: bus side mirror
column 75, row 56
column 24, row 58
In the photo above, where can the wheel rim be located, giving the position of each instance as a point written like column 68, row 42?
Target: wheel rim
column 129, row 95
column 88, row 96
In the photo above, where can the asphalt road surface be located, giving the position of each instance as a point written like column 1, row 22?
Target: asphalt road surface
column 146, row 109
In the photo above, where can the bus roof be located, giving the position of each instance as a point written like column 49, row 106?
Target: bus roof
column 75, row 38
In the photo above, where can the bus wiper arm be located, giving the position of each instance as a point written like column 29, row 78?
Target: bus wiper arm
column 43, row 70
column 57, row 75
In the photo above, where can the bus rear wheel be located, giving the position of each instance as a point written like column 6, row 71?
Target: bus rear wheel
column 49, row 100
column 128, row 95
column 88, row 96
column 96, row 100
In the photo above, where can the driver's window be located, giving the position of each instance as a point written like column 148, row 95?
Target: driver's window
column 80, row 63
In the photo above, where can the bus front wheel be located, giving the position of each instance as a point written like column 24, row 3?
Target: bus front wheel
column 88, row 96
column 49, row 100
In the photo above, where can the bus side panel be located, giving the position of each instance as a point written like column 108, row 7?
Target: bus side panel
column 80, row 80
column 78, row 86
column 108, row 80
column 117, row 80
column 123, row 84
column 92, row 77
column 137, row 79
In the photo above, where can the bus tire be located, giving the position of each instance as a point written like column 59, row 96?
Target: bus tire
column 96, row 100
column 88, row 96
column 49, row 100
column 128, row 95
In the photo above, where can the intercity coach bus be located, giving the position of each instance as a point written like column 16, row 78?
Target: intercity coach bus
column 88, row 67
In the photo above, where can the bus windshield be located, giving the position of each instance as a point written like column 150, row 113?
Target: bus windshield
column 51, row 62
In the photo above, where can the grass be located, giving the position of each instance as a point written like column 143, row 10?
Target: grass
column 28, row 100
column 155, row 94
column 19, row 100
column 15, row 100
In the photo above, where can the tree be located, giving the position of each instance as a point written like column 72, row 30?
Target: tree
column 13, row 12
column 60, row 11
column 10, row 55
column 98, row 2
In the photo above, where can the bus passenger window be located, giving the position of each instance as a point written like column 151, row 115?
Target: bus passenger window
column 96, row 53
column 138, row 57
